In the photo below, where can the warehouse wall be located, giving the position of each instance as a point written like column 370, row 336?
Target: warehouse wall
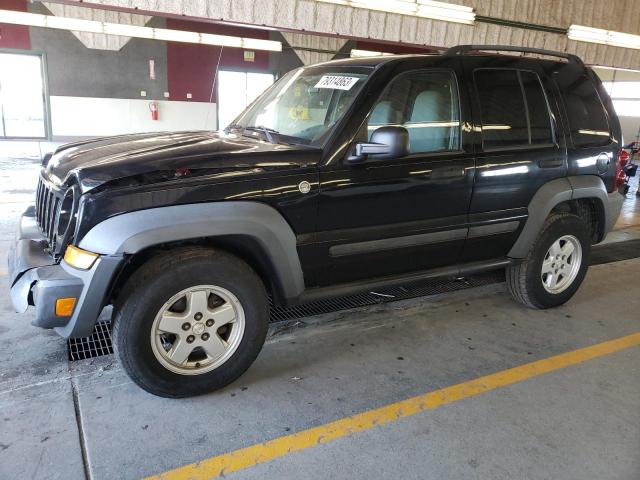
column 14, row 36
column 191, row 68
column 114, row 79
column 99, row 92
column 90, row 117
column 75, row 70
column 630, row 125
column 333, row 19
column 105, row 92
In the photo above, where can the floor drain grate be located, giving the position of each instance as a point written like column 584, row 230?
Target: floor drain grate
column 99, row 343
column 385, row 295
column 96, row 345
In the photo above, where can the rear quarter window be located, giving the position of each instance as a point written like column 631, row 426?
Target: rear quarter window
column 587, row 116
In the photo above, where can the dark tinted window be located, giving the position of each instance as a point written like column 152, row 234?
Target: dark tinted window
column 426, row 104
column 587, row 117
column 513, row 108
column 538, row 108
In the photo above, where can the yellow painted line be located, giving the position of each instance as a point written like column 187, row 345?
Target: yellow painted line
column 279, row 447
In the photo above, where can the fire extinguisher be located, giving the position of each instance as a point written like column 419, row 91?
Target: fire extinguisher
column 153, row 107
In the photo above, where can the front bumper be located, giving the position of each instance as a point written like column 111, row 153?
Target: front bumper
column 37, row 279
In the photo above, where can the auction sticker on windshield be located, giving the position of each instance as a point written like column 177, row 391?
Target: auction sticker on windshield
column 337, row 82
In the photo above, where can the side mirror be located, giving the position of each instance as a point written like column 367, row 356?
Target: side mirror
column 386, row 142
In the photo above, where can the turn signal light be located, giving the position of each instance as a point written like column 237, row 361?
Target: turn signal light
column 64, row 306
column 76, row 257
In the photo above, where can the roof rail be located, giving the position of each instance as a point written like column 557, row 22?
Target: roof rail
column 462, row 49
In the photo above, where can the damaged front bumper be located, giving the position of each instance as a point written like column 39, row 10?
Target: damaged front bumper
column 36, row 279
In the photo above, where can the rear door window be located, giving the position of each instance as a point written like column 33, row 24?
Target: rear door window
column 587, row 116
column 537, row 108
column 513, row 108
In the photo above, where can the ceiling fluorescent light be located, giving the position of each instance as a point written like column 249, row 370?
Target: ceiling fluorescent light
column 446, row 5
column 587, row 34
column 437, row 11
column 75, row 24
column 80, row 25
column 259, row 44
column 396, row 6
column 605, row 37
column 127, row 30
column 448, row 12
column 176, row 35
column 355, row 53
column 22, row 18
column 223, row 40
column 626, row 40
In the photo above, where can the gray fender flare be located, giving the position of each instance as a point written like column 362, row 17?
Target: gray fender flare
column 132, row 232
column 553, row 193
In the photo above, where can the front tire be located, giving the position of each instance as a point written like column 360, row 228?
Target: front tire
column 555, row 266
column 191, row 321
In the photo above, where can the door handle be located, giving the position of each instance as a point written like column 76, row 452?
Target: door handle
column 441, row 173
column 551, row 163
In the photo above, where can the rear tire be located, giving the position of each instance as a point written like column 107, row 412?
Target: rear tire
column 190, row 321
column 555, row 266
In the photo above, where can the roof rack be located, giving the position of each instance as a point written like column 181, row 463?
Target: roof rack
column 462, row 49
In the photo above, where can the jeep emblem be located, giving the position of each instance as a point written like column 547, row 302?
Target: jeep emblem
column 304, row 187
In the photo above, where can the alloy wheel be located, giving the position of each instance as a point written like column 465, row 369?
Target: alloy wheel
column 561, row 264
column 198, row 329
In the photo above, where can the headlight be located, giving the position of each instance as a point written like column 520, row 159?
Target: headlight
column 66, row 211
column 78, row 258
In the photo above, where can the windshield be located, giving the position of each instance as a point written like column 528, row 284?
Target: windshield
column 302, row 106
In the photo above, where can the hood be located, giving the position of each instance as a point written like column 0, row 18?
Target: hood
column 94, row 162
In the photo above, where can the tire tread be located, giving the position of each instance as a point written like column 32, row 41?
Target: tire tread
column 518, row 274
column 136, row 287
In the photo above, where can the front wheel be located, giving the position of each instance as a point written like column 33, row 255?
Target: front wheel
column 192, row 321
column 555, row 266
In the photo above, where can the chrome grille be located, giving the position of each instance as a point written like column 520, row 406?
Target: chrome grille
column 47, row 200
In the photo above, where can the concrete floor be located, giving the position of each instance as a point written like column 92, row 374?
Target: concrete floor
column 86, row 419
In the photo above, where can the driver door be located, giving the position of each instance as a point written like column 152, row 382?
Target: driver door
column 393, row 216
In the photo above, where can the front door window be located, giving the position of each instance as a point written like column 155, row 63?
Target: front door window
column 426, row 104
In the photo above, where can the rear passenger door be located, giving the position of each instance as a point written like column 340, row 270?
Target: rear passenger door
column 519, row 149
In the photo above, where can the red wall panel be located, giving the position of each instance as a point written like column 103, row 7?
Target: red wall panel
column 14, row 36
column 191, row 68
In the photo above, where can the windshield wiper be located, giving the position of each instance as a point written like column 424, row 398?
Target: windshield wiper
column 268, row 132
column 271, row 135
column 233, row 126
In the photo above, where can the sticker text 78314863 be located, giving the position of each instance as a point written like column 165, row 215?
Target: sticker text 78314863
column 337, row 82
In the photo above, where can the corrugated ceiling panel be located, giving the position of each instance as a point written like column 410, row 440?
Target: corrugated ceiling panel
column 322, row 18
column 621, row 15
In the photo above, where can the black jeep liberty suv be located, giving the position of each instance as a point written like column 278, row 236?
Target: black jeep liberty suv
column 341, row 177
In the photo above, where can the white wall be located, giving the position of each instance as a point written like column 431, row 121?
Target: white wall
column 90, row 117
column 630, row 127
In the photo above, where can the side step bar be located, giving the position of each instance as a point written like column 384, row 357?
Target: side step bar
column 320, row 293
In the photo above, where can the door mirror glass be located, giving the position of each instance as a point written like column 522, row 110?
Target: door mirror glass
column 386, row 143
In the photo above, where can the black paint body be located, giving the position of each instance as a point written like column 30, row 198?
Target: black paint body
column 377, row 218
